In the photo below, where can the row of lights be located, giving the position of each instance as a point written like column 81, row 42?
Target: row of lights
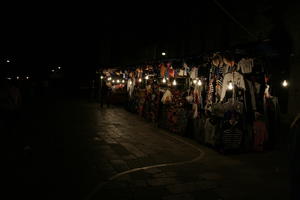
column 118, row 81
column 284, row 84
column 198, row 82
column 53, row 70
column 18, row 78
column 110, row 79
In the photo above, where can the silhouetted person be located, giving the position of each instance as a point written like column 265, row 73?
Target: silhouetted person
column 105, row 95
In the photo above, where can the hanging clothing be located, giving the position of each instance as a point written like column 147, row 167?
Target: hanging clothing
column 251, row 88
column 167, row 97
column 194, row 73
column 171, row 72
column 236, row 78
column 245, row 65
column 260, row 134
column 163, row 70
column 130, row 86
column 186, row 69
column 195, row 111
column 210, row 128
column 232, row 133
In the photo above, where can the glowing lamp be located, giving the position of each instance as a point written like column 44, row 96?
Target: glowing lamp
column 174, row 83
column 284, row 83
column 230, row 86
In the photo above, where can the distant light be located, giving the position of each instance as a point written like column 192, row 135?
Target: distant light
column 123, row 81
column 8, row 61
column 113, row 81
column 163, row 53
column 174, row 82
column 59, row 67
column 109, row 78
column 118, row 81
column 147, row 77
column 8, row 78
column 195, row 81
column 140, row 80
column 285, row 83
column 130, row 82
column 230, row 86
column 27, row 77
column 199, row 83
column 101, row 77
column 18, row 78
column 164, row 80
column 53, row 70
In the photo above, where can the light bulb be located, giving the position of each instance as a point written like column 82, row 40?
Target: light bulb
column 147, row 77
column 123, row 81
column 18, row 77
column 109, row 78
column 101, row 77
column 164, row 80
column 195, row 81
column 27, row 77
column 113, row 81
column 230, row 86
column 118, row 81
column 140, row 80
column 174, row 82
column 284, row 83
column 199, row 83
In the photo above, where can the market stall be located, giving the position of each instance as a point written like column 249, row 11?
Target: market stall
column 222, row 100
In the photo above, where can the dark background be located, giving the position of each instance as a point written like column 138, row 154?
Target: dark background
column 84, row 37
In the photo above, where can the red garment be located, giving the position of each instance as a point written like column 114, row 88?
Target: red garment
column 163, row 70
column 171, row 72
column 260, row 135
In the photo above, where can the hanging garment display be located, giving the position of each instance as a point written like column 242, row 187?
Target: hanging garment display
column 195, row 111
column 251, row 90
column 186, row 69
column 130, row 86
column 245, row 65
column 210, row 129
column 232, row 133
column 194, row 73
column 234, row 78
column 167, row 97
column 163, row 70
column 219, row 93
column 260, row 135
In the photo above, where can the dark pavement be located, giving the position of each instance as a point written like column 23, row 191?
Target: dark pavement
column 79, row 151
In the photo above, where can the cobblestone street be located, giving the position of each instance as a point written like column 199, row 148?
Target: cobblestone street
column 90, row 153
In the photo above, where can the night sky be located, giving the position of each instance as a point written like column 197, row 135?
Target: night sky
column 76, row 36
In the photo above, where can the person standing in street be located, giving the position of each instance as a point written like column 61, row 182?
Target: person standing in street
column 105, row 95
